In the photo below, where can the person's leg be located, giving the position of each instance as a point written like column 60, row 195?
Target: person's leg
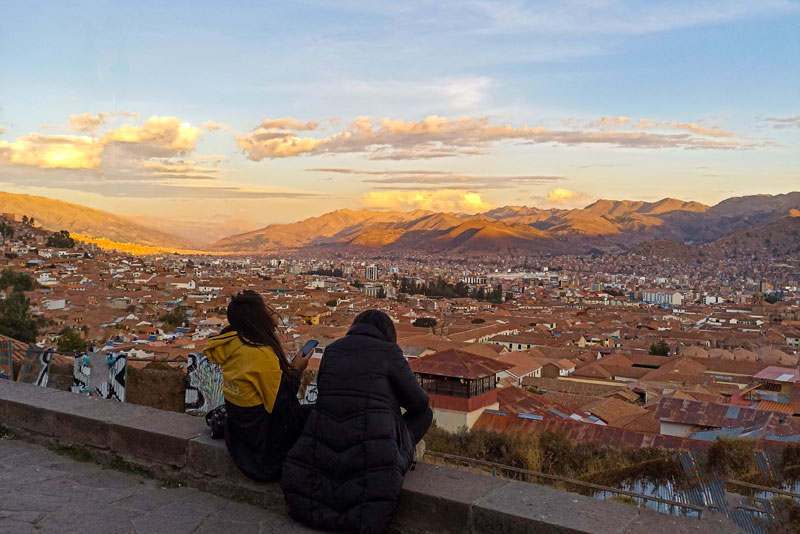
column 418, row 424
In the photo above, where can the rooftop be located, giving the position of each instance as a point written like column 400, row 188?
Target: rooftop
column 457, row 364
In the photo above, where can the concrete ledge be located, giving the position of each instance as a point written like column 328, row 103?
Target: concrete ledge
column 434, row 499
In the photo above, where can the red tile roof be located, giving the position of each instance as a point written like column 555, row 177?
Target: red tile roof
column 458, row 364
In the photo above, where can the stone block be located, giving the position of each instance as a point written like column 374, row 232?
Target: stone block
column 437, row 499
column 523, row 507
column 19, row 407
column 160, row 436
column 208, row 456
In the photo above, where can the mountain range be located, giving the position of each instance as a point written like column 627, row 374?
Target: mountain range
column 605, row 225
column 58, row 215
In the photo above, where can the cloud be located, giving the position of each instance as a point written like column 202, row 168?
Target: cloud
column 562, row 198
column 2, row 128
column 434, row 179
column 617, row 18
column 88, row 122
column 130, row 114
column 442, row 137
column 53, row 151
column 695, row 128
column 289, row 124
column 212, row 126
column 783, row 122
column 446, row 200
column 611, row 121
column 649, row 124
column 168, row 133
column 182, row 169
column 157, row 137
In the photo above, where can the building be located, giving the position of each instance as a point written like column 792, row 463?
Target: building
column 658, row 296
column 371, row 272
column 460, row 386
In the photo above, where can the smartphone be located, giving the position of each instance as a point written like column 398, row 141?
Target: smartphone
column 309, row 347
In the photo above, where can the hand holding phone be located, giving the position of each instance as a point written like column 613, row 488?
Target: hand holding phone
column 300, row 361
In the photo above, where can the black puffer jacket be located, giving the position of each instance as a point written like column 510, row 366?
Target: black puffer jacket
column 346, row 470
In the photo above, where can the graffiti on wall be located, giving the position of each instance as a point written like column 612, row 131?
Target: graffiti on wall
column 98, row 375
column 35, row 366
column 204, row 384
column 6, row 360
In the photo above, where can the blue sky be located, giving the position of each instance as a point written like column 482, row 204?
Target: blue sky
column 169, row 103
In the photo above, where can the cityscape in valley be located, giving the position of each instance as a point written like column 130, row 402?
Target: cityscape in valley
column 583, row 220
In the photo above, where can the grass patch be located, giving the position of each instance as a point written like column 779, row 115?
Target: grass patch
column 5, row 433
column 625, row 499
column 242, row 498
column 124, row 466
column 74, row 452
column 554, row 453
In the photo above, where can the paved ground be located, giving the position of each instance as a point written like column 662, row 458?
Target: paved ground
column 41, row 491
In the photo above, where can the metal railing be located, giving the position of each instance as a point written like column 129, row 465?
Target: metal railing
column 762, row 489
column 516, row 473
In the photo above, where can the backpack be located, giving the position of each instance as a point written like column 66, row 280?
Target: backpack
column 216, row 419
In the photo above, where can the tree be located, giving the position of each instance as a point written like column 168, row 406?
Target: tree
column 332, row 303
column 6, row 230
column 19, row 281
column 478, row 320
column 16, row 320
column 424, row 322
column 659, row 349
column 60, row 239
column 70, row 341
column 175, row 318
column 381, row 293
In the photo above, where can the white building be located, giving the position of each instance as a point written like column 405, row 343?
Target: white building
column 659, row 296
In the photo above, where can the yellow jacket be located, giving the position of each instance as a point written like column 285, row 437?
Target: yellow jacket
column 251, row 375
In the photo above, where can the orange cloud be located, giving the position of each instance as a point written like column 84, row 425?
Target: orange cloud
column 88, row 122
column 289, row 124
column 441, row 137
column 212, row 126
column 169, row 133
column 53, row 151
column 446, row 200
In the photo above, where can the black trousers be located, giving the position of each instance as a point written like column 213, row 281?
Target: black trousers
column 418, row 423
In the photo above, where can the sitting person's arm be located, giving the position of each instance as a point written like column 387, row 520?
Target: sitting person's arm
column 410, row 394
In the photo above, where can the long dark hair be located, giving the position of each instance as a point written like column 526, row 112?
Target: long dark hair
column 249, row 316
column 382, row 322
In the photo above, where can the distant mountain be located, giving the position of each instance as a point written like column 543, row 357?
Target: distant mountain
column 56, row 215
column 606, row 225
column 777, row 238
column 199, row 232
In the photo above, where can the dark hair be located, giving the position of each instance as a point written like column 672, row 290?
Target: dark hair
column 379, row 320
column 253, row 321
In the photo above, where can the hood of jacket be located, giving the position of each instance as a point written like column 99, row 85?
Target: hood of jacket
column 365, row 329
column 220, row 347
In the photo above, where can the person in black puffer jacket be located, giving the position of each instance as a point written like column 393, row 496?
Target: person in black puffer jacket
column 346, row 470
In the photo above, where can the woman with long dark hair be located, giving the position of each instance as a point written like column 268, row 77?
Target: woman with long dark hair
column 346, row 470
column 260, row 386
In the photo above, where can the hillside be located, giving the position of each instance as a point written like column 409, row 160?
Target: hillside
column 57, row 215
column 607, row 225
column 777, row 238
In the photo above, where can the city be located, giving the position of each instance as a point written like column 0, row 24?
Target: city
column 418, row 268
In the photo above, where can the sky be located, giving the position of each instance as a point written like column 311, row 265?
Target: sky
column 269, row 112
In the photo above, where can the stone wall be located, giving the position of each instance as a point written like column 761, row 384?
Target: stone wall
column 434, row 499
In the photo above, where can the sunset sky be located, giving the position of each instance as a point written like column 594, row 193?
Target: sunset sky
column 273, row 112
